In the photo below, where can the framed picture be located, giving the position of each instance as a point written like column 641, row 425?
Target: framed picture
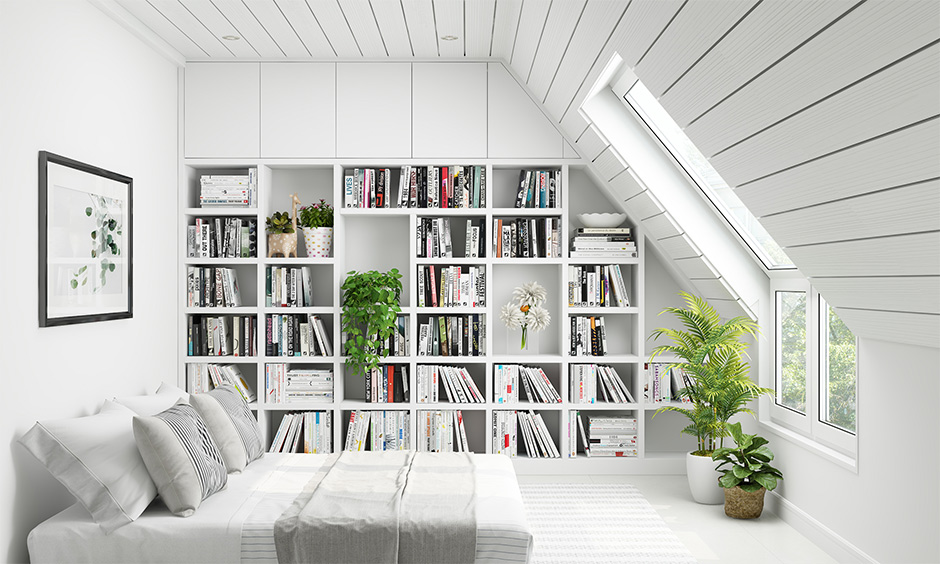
column 85, row 243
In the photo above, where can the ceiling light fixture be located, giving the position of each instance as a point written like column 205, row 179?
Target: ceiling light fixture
column 231, row 37
column 449, row 37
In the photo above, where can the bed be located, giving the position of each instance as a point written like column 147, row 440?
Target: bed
column 237, row 524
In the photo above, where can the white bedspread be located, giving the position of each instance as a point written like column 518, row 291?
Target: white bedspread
column 252, row 502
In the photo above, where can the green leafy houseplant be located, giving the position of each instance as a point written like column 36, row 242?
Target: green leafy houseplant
column 317, row 215
column 370, row 311
column 713, row 368
column 750, row 462
column 279, row 222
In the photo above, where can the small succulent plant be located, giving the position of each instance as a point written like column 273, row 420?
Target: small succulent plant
column 279, row 222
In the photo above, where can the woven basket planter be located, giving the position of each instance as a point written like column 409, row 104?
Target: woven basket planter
column 744, row 505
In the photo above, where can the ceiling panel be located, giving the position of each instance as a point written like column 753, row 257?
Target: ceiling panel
column 872, row 36
column 334, row 25
column 305, row 25
column 662, row 226
column 768, row 33
column 478, row 32
column 911, row 328
column 714, row 288
column 592, row 142
column 903, row 94
column 196, row 30
column 909, row 255
column 911, row 155
column 269, row 15
column 697, row 267
column 157, row 22
column 679, row 247
column 528, row 36
column 559, row 27
column 697, row 27
column 506, row 21
column 419, row 15
column 644, row 21
column 625, row 185
column 642, row 206
column 361, row 20
column 609, row 164
column 894, row 293
column 391, row 22
column 250, row 29
column 448, row 17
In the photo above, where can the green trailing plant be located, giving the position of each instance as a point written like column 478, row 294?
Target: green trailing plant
column 713, row 369
column 105, row 241
column 371, row 304
column 279, row 222
column 317, row 215
column 750, row 462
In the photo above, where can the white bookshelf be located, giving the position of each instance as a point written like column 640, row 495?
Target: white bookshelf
column 379, row 239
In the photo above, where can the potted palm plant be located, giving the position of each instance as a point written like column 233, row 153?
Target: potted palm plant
column 749, row 475
column 716, row 379
column 371, row 304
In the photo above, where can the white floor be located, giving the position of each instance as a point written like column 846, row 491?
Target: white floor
column 708, row 533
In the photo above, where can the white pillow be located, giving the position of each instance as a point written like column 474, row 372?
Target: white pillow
column 96, row 458
column 166, row 397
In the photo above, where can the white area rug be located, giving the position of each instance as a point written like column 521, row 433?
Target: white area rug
column 598, row 523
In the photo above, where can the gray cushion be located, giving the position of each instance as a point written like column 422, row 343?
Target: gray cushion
column 232, row 425
column 181, row 457
column 167, row 396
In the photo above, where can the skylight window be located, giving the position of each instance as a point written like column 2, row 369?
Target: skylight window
column 707, row 178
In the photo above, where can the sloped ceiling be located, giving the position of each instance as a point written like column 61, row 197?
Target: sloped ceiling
column 825, row 116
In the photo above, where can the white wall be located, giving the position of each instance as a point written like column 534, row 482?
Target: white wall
column 890, row 509
column 76, row 84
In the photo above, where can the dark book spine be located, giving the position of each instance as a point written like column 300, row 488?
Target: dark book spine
column 521, row 193
column 368, row 384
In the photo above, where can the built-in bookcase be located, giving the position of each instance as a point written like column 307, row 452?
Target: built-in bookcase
column 384, row 238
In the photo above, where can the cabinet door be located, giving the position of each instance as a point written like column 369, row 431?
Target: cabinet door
column 449, row 110
column 298, row 103
column 222, row 108
column 373, row 110
column 517, row 127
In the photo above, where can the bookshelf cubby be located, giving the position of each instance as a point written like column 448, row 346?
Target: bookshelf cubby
column 385, row 238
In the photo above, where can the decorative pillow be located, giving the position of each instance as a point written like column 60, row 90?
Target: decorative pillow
column 96, row 458
column 167, row 396
column 181, row 457
column 231, row 424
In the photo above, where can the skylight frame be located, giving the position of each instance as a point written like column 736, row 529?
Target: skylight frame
column 705, row 188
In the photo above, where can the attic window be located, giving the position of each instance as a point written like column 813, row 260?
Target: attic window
column 706, row 177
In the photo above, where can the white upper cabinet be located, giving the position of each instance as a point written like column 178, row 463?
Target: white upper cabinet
column 373, row 110
column 517, row 127
column 298, row 110
column 222, row 110
column 449, row 110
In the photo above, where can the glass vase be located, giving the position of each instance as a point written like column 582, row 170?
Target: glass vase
column 522, row 341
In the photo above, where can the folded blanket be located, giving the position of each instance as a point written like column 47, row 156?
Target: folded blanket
column 383, row 507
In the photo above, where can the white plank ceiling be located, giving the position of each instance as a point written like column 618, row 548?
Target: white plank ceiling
column 824, row 116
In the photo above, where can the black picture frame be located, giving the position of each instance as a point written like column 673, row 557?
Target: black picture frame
column 85, row 242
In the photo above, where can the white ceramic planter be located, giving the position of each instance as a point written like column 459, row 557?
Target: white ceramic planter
column 319, row 241
column 703, row 479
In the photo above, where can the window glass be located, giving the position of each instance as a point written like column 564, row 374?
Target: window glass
column 838, row 377
column 791, row 350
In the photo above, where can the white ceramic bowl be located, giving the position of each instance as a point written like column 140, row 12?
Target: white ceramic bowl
column 602, row 219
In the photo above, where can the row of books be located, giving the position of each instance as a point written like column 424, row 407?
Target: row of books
column 378, row 431
column 442, row 431
column 611, row 436
column 538, row 388
column 308, row 432
column 451, row 286
column 229, row 190
column 292, row 385
column 288, row 286
column 457, row 382
column 536, row 439
column 586, row 379
column 226, row 335
column 452, row 335
column 527, row 237
column 367, row 188
column 588, row 335
column 434, row 238
column 597, row 286
column 202, row 377
column 387, row 384
column 208, row 286
column 222, row 237
column 296, row 335
column 614, row 242
column 539, row 189
column 442, row 186
column 663, row 382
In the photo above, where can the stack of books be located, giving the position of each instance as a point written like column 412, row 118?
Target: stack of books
column 539, row 189
column 308, row 432
column 226, row 335
column 387, row 384
column 229, row 190
column 442, row 431
column 297, row 335
column 442, row 186
column 663, row 383
column 584, row 384
column 285, row 385
column 527, row 237
column 452, row 335
column 588, row 335
column 287, row 287
column 208, row 286
column 379, row 430
column 222, row 237
column 538, row 388
column 201, row 378
column 451, row 286
column 603, row 242
column 536, row 438
column 458, row 384
column 597, row 286
column 611, row 436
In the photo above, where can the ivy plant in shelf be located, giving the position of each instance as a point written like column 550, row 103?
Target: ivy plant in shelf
column 371, row 304
column 716, row 379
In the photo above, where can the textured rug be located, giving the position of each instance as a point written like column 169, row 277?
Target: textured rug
column 598, row 523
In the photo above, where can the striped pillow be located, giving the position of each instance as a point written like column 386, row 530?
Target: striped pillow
column 181, row 457
column 232, row 425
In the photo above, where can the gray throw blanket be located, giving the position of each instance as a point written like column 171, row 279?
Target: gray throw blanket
column 397, row 507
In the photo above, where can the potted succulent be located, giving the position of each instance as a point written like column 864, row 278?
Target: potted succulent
column 371, row 304
column 716, row 379
column 317, row 223
column 282, row 231
column 749, row 475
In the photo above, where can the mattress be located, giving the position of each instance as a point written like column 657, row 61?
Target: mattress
column 236, row 525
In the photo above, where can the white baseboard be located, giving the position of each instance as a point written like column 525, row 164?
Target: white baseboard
column 824, row 537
